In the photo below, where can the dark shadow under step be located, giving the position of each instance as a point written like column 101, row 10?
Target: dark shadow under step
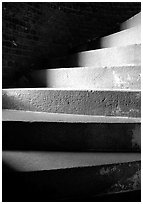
column 63, row 136
column 75, row 184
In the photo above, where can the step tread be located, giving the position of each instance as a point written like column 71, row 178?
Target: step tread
column 36, row 161
column 122, row 77
column 132, row 22
column 110, row 49
column 124, row 37
column 18, row 115
column 111, row 56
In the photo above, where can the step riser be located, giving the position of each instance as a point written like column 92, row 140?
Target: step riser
column 72, row 183
column 115, row 56
column 70, row 136
column 132, row 22
column 105, row 103
column 106, row 78
column 123, row 38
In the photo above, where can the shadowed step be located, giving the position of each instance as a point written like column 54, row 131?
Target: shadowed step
column 67, row 183
column 71, row 137
column 43, row 131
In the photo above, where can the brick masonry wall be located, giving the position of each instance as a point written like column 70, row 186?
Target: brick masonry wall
column 34, row 33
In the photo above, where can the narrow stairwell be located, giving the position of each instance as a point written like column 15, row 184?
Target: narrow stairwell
column 77, row 134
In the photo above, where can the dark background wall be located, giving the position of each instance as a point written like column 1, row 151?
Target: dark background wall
column 33, row 34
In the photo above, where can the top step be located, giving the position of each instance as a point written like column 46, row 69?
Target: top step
column 132, row 22
column 122, row 38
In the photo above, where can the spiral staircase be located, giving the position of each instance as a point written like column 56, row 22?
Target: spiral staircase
column 76, row 136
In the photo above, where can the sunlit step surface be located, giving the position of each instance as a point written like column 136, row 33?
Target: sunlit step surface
column 129, row 55
column 122, row 77
column 132, row 22
column 122, row 38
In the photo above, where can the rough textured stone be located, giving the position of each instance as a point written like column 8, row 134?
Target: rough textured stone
column 63, row 136
column 85, row 102
column 132, row 22
column 123, row 38
column 113, row 56
column 122, row 77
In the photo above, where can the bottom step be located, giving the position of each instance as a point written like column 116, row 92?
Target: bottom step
column 26, row 179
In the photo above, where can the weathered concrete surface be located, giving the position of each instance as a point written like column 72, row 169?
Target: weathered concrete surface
column 122, row 77
column 111, row 137
column 129, row 55
column 122, row 38
column 132, row 22
column 38, row 161
column 30, row 116
column 84, row 102
column 70, row 182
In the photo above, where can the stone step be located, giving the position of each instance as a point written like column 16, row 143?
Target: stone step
column 39, row 161
column 129, row 55
column 46, row 177
column 30, row 116
column 68, row 132
column 71, row 101
column 122, row 77
column 132, row 22
column 63, row 136
column 122, row 38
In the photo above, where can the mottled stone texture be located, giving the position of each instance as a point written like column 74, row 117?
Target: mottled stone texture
column 71, row 136
column 34, row 33
column 73, row 183
column 105, row 103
